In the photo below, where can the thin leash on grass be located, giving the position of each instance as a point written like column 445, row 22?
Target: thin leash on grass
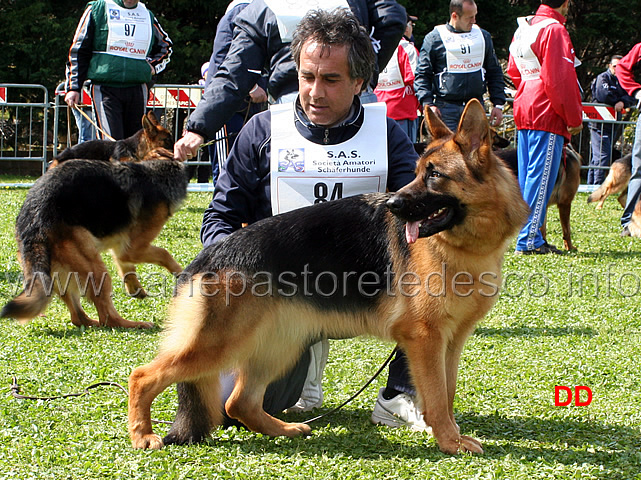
column 15, row 392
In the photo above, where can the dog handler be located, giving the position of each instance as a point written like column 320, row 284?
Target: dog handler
column 547, row 110
column 118, row 45
column 325, row 145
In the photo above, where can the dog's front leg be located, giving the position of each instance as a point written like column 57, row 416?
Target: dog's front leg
column 428, row 356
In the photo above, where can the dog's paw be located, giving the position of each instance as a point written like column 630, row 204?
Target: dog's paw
column 296, row 429
column 463, row 444
column 150, row 441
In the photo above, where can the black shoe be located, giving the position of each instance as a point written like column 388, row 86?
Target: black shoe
column 542, row 250
column 625, row 232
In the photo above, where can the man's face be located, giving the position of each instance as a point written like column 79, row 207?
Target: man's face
column 464, row 21
column 130, row 3
column 325, row 87
column 613, row 66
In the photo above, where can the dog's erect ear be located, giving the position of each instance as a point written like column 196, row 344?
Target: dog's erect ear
column 149, row 123
column 435, row 125
column 474, row 133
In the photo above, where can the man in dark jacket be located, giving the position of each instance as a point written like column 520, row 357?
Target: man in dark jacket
column 262, row 36
column 606, row 89
column 324, row 145
column 456, row 64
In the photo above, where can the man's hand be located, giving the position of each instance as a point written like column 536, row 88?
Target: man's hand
column 618, row 107
column 258, row 95
column 72, row 98
column 496, row 116
column 187, row 147
column 575, row 130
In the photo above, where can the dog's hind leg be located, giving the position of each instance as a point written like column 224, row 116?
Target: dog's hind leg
column 246, row 404
column 78, row 316
column 564, row 216
column 199, row 410
column 148, row 381
column 127, row 272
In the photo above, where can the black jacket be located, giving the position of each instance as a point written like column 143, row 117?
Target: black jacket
column 257, row 46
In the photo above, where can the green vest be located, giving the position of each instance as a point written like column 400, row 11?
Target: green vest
column 112, row 70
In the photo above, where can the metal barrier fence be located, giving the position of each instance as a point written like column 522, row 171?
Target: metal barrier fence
column 25, row 110
column 24, row 114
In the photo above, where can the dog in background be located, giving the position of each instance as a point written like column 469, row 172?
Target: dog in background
column 565, row 188
column 616, row 182
column 448, row 230
column 82, row 208
column 152, row 135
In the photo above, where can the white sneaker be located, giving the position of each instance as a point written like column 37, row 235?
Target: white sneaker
column 400, row 411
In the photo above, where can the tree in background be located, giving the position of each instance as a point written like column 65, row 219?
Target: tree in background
column 35, row 35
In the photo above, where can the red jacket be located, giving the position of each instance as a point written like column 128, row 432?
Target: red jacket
column 396, row 85
column 552, row 102
column 625, row 69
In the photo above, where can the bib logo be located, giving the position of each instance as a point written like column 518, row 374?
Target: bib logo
column 293, row 158
column 114, row 14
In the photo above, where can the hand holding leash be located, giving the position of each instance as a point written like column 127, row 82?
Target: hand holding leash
column 187, row 146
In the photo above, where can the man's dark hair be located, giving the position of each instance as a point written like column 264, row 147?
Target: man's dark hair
column 553, row 3
column 338, row 27
column 615, row 57
column 457, row 6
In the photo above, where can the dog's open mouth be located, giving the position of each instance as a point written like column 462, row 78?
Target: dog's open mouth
column 429, row 226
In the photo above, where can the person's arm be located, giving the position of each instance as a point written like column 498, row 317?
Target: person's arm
column 388, row 20
column 424, row 81
column 255, row 39
column 239, row 189
column 80, row 54
column 401, row 157
column 625, row 71
column 161, row 51
column 493, row 73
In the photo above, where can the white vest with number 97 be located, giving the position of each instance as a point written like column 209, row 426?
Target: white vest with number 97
column 304, row 173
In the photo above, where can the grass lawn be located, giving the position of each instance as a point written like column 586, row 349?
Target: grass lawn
column 573, row 320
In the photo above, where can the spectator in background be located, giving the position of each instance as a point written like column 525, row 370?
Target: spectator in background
column 456, row 64
column 255, row 102
column 603, row 136
column 547, row 111
column 120, row 74
column 626, row 69
column 396, row 85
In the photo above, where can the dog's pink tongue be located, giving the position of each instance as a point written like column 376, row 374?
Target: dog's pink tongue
column 411, row 231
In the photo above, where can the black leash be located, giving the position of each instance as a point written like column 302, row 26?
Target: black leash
column 15, row 392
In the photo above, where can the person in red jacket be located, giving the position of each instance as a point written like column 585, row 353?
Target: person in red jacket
column 547, row 110
column 625, row 73
column 396, row 86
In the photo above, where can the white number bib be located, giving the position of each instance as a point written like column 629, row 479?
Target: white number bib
column 521, row 47
column 465, row 51
column 290, row 12
column 304, row 173
column 130, row 30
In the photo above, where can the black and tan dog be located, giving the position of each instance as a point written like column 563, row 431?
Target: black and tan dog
column 151, row 135
column 82, row 208
column 567, row 185
column 420, row 267
column 616, row 182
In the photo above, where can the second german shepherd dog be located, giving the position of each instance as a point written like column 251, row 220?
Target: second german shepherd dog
column 616, row 182
column 81, row 208
column 419, row 267
column 135, row 148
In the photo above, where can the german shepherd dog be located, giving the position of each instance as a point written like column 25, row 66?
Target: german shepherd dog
column 565, row 188
column 419, row 267
column 82, row 208
column 616, row 182
column 135, row 148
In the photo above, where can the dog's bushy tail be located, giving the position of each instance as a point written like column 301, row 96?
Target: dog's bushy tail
column 38, row 285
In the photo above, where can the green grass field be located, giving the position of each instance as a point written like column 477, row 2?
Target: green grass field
column 571, row 320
